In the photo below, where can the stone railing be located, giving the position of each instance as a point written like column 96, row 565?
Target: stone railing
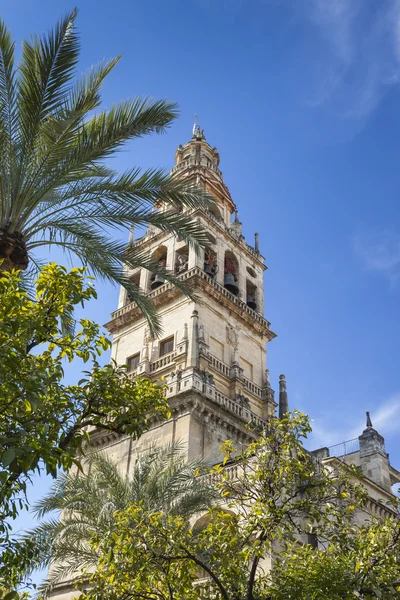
column 193, row 381
column 252, row 388
column 223, row 368
column 191, row 162
column 231, row 472
column 162, row 362
column 218, row 365
column 218, row 220
column 234, row 407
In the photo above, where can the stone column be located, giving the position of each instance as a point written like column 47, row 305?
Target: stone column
column 144, row 280
column 170, row 266
column 283, row 397
column 144, row 365
column 193, row 349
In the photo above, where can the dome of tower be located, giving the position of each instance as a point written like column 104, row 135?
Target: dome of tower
column 198, row 162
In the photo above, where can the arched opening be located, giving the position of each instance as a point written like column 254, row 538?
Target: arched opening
column 204, row 520
column 135, row 282
column 231, row 273
column 251, row 295
column 160, row 257
column 182, row 260
column 214, row 210
column 251, row 271
column 210, row 262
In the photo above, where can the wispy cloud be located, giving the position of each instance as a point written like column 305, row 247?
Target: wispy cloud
column 360, row 53
column 385, row 419
column 379, row 251
column 355, row 48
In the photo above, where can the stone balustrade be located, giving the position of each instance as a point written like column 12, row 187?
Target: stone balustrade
column 252, row 388
column 162, row 362
column 191, row 162
column 218, row 365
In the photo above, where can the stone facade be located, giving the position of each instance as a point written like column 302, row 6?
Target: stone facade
column 212, row 354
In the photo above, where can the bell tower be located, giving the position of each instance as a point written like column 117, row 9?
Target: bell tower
column 212, row 355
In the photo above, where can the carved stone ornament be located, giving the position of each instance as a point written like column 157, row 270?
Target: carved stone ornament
column 147, row 338
column 232, row 336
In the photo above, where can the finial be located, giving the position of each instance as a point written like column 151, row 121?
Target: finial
column 256, row 244
column 131, row 234
column 236, row 216
column 283, row 397
column 369, row 422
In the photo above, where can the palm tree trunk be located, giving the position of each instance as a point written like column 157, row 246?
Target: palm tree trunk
column 13, row 252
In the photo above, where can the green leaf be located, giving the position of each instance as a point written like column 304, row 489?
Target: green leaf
column 7, row 457
column 11, row 596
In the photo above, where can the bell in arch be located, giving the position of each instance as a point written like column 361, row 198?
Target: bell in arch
column 230, row 274
column 157, row 281
column 230, row 283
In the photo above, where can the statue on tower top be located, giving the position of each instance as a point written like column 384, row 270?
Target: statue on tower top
column 197, row 133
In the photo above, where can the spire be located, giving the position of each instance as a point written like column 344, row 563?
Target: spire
column 283, row 397
column 369, row 422
column 256, row 244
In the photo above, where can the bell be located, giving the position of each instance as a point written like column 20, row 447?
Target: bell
column 157, row 281
column 230, row 284
column 208, row 269
column 251, row 303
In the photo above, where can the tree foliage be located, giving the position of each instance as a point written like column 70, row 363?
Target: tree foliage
column 55, row 188
column 44, row 422
column 287, row 527
column 161, row 478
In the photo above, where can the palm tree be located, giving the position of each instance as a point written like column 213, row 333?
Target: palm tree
column 161, row 479
column 55, row 188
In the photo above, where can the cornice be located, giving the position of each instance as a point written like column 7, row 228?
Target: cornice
column 186, row 402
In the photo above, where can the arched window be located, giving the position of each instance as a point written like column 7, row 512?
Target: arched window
column 160, row 257
column 182, row 260
column 231, row 273
column 251, row 295
column 214, row 210
column 135, row 281
column 210, row 262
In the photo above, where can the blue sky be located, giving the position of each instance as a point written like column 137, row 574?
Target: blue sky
column 302, row 100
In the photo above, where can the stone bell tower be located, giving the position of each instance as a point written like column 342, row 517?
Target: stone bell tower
column 212, row 355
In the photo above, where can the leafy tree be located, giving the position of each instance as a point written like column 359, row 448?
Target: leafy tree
column 54, row 186
column 287, row 528
column 161, row 479
column 44, row 422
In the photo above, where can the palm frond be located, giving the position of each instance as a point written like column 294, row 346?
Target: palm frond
column 7, row 112
column 54, row 186
column 47, row 65
column 160, row 479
